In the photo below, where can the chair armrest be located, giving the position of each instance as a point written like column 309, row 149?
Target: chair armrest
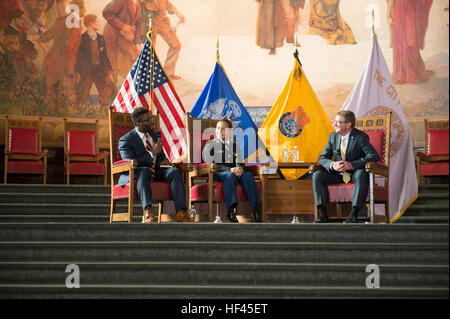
column 203, row 169
column 436, row 158
column 315, row 167
column 213, row 167
column 255, row 169
column 183, row 167
column 103, row 155
column 123, row 166
column 377, row 168
column 43, row 153
column 29, row 157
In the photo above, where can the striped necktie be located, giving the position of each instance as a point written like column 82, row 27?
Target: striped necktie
column 148, row 147
column 345, row 176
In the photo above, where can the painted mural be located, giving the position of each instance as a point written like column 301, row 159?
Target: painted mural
column 67, row 58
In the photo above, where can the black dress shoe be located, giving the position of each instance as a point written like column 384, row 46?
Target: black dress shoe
column 256, row 214
column 350, row 220
column 231, row 216
column 322, row 220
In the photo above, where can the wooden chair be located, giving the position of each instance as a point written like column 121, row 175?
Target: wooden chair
column 379, row 131
column 434, row 160
column 81, row 152
column 119, row 125
column 23, row 148
column 200, row 131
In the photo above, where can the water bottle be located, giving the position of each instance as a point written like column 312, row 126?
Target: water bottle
column 193, row 213
column 295, row 220
column 285, row 155
column 295, row 154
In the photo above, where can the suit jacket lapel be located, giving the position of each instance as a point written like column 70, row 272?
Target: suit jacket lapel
column 337, row 147
column 138, row 141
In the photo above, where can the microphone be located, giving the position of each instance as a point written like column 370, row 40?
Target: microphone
column 158, row 137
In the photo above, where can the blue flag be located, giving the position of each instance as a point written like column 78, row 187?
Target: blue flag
column 218, row 101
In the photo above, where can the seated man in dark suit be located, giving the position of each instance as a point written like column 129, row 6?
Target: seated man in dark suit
column 351, row 150
column 143, row 144
column 230, row 170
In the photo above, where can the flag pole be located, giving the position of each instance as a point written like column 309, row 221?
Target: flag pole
column 217, row 51
column 152, row 60
column 373, row 22
column 297, row 45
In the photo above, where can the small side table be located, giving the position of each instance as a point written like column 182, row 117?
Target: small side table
column 280, row 196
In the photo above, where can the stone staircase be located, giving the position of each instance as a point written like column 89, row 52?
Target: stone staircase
column 43, row 229
column 432, row 206
column 58, row 203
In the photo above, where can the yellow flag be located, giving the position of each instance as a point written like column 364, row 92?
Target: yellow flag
column 296, row 119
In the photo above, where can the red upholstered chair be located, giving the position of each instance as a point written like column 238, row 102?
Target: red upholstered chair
column 434, row 160
column 119, row 125
column 81, row 152
column 23, row 148
column 201, row 131
column 379, row 131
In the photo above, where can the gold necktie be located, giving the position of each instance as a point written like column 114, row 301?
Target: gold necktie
column 345, row 176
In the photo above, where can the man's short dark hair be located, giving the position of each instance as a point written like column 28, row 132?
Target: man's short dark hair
column 137, row 114
column 230, row 125
column 349, row 116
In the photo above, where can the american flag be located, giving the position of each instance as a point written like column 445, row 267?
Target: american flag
column 137, row 91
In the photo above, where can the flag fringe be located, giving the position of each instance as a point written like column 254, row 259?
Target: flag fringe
column 404, row 209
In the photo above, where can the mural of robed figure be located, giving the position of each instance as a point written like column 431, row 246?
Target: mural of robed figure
column 409, row 23
column 122, row 34
column 276, row 22
column 161, row 26
column 59, row 63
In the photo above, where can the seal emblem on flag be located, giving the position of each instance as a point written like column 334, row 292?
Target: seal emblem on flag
column 291, row 124
column 397, row 129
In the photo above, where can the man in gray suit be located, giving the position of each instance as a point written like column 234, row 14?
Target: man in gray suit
column 344, row 159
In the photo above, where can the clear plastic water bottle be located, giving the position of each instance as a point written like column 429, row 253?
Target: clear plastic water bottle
column 193, row 213
column 295, row 220
column 285, row 154
column 295, row 154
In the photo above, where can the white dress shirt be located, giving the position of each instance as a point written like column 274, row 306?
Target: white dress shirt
column 345, row 138
column 142, row 136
